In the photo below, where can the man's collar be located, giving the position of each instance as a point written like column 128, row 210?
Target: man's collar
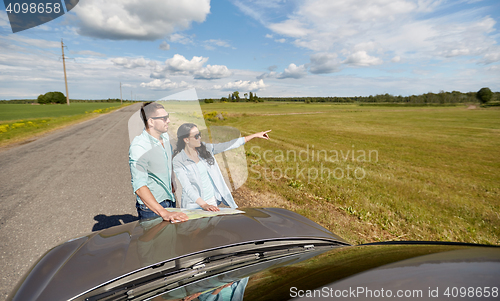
column 151, row 137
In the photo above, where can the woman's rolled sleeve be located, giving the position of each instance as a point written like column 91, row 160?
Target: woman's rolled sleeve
column 225, row 146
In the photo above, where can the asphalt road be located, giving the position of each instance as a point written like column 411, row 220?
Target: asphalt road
column 62, row 186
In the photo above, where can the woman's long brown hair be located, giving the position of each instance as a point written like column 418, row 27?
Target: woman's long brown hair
column 183, row 132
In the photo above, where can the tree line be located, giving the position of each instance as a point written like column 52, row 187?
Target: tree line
column 235, row 97
column 484, row 95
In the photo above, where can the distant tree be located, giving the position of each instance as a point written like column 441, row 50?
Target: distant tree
column 484, row 95
column 40, row 99
column 236, row 95
column 51, row 97
column 246, row 94
column 251, row 97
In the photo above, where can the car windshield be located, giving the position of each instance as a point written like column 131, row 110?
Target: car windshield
column 211, row 272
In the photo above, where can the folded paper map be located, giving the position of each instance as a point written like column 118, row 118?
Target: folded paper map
column 199, row 213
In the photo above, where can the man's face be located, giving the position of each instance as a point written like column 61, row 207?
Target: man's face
column 159, row 121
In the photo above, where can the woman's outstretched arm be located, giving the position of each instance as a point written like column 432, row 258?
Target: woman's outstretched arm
column 262, row 135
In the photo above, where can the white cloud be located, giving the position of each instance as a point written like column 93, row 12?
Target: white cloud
column 367, row 33
column 361, row 58
column 456, row 52
column 219, row 43
column 396, row 59
column 166, row 84
column 88, row 52
column 271, row 74
column 267, row 75
column 34, row 42
column 164, row 46
column 180, row 64
column 280, row 40
column 211, row 44
column 28, row 71
column 464, row 39
column 180, row 38
column 272, row 68
column 491, row 56
column 293, row 71
column 269, row 36
column 249, row 11
column 292, row 28
column 4, row 20
column 212, row 72
column 242, row 85
column 324, row 63
column 138, row 19
column 130, row 63
column 495, row 69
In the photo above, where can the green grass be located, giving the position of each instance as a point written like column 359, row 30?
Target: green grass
column 22, row 121
column 436, row 176
column 13, row 112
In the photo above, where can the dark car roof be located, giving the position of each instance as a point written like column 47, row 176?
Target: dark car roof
column 83, row 264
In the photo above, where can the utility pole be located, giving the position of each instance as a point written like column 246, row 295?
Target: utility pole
column 121, row 99
column 65, row 78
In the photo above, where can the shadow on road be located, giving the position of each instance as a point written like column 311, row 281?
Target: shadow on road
column 104, row 221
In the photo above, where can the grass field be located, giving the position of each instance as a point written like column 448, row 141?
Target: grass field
column 21, row 121
column 14, row 112
column 378, row 173
column 367, row 173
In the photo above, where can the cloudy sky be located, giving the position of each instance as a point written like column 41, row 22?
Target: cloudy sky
column 271, row 47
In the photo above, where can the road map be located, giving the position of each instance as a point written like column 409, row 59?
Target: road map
column 199, row 213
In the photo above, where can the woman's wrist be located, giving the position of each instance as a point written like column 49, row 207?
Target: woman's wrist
column 200, row 202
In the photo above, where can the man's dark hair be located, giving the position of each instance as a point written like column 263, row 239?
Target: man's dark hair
column 148, row 109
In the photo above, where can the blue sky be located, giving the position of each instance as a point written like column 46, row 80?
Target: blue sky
column 273, row 48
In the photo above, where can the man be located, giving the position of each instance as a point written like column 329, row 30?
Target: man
column 150, row 161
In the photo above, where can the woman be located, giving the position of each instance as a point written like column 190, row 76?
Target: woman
column 194, row 165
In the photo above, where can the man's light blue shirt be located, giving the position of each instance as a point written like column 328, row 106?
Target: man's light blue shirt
column 151, row 165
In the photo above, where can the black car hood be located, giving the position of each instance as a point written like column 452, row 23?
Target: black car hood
column 83, row 264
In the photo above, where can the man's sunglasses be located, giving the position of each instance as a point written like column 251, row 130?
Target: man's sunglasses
column 164, row 118
column 197, row 136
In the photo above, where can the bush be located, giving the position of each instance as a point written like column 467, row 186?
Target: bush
column 51, row 97
column 484, row 95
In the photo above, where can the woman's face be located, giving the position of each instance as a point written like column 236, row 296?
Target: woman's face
column 194, row 139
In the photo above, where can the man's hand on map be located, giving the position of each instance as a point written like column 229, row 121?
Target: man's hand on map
column 174, row 217
column 208, row 207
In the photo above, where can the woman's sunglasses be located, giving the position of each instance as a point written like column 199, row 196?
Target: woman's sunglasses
column 197, row 136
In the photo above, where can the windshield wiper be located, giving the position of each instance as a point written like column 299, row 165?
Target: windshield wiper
column 169, row 279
